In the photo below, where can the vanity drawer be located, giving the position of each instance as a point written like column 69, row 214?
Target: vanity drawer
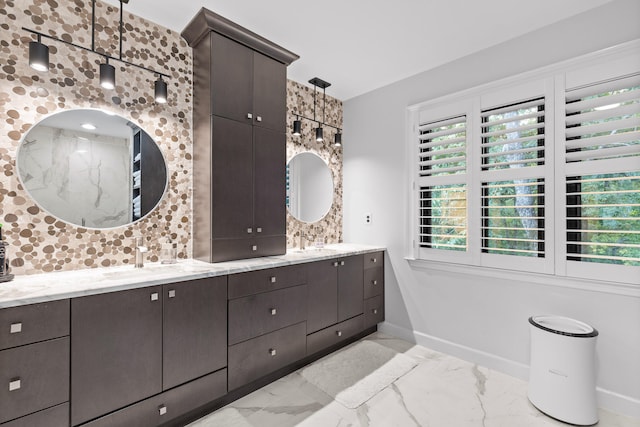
column 258, row 357
column 33, row 377
column 374, row 259
column 254, row 282
column 373, row 281
column 171, row 404
column 58, row 416
column 332, row 335
column 32, row 323
column 259, row 314
column 373, row 311
column 251, row 247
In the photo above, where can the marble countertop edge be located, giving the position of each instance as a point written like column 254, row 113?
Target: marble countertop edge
column 38, row 288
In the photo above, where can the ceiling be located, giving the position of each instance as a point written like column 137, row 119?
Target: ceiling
column 361, row 45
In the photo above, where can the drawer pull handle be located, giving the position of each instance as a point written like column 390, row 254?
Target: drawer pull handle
column 274, row 311
column 273, row 279
column 374, row 311
column 335, row 264
column 249, row 116
column 259, row 229
column 249, row 230
column 272, row 351
column 162, row 409
column 15, row 384
column 339, row 333
column 374, row 282
column 172, row 293
column 254, row 247
column 15, row 328
column 374, row 260
column 258, row 118
column 341, row 262
column 154, row 296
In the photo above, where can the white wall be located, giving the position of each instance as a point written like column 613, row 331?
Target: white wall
column 469, row 315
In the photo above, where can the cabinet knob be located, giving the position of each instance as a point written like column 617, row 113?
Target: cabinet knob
column 259, row 230
column 374, row 282
column 374, row 311
column 273, row 279
column 15, row 384
column 258, row 118
column 374, row 260
column 272, row 351
column 172, row 293
column 341, row 262
column 15, row 328
column 254, row 247
column 335, row 264
column 273, row 311
column 249, row 230
column 339, row 333
column 154, row 296
column 249, row 116
column 162, row 409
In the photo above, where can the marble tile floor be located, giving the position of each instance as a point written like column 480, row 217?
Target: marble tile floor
column 441, row 391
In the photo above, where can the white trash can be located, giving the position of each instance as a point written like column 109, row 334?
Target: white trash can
column 562, row 377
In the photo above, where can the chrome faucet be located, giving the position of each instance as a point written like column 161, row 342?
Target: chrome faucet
column 302, row 238
column 140, row 249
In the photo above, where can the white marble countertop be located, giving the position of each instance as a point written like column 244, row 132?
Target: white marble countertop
column 31, row 289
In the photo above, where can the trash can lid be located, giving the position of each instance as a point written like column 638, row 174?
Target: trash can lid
column 563, row 326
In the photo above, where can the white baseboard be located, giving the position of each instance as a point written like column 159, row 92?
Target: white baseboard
column 615, row 402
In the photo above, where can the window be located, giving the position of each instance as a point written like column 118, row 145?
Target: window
column 537, row 174
column 602, row 135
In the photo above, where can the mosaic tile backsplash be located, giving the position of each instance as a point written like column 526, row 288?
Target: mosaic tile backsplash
column 38, row 241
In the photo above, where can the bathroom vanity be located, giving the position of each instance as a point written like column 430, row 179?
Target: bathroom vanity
column 165, row 344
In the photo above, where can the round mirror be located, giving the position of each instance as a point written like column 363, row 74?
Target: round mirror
column 92, row 169
column 309, row 187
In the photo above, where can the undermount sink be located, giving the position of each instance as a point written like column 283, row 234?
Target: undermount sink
column 144, row 271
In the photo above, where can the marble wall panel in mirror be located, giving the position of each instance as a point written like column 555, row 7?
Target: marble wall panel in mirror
column 92, row 169
column 309, row 187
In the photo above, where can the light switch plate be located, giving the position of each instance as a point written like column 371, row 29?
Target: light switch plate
column 367, row 218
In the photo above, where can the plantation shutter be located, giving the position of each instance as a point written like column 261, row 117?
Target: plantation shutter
column 602, row 146
column 442, row 166
column 513, row 184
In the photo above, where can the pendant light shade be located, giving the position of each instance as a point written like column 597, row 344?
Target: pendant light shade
column 297, row 127
column 38, row 56
column 160, row 91
column 319, row 137
column 338, row 139
column 107, row 75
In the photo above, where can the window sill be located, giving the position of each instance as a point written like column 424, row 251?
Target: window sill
column 615, row 288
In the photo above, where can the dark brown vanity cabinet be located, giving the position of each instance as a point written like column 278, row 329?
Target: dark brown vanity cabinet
column 373, row 288
column 131, row 345
column 239, row 140
column 34, row 365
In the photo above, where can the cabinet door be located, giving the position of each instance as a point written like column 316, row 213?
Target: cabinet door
column 270, row 192
column 269, row 93
column 322, row 285
column 116, row 351
column 231, row 79
column 232, row 179
column 194, row 329
column 350, row 287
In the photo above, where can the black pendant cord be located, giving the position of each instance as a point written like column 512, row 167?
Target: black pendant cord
column 121, row 11
column 93, row 26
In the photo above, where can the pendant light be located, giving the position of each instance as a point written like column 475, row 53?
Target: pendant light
column 338, row 139
column 107, row 75
column 297, row 124
column 38, row 55
column 160, row 91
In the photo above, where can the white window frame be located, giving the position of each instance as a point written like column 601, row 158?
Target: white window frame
column 550, row 82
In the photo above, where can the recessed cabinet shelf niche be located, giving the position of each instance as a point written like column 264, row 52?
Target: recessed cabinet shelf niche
column 239, row 96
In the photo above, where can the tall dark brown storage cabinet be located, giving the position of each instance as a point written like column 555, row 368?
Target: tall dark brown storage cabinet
column 239, row 150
